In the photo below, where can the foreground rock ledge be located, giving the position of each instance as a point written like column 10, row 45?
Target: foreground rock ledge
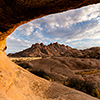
column 15, row 82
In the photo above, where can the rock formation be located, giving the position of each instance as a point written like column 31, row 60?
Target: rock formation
column 93, row 52
column 16, row 12
column 41, row 50
column 55, row 49
column 15, row 82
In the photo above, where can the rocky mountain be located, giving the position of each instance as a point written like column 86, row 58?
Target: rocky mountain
column 41, row 50
column 56, row 49
column 93, row 52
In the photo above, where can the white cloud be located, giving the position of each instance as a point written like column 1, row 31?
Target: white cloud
column 11, row 37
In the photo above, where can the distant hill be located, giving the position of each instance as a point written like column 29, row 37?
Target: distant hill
column 56, row 49
column 41, row 50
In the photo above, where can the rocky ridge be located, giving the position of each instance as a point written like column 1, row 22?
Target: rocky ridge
column 56, row 49
column 41, row 50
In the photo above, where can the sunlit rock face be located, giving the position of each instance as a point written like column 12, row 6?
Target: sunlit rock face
column 15, row 82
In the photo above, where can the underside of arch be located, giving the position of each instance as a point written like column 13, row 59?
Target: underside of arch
column 16, row 12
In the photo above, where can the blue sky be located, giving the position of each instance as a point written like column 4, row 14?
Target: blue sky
column 78, row 28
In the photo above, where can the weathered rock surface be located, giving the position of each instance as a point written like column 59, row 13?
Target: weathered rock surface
column 15, row 82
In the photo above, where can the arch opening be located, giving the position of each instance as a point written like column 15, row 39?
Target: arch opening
column 19, row 12
column 78, row 28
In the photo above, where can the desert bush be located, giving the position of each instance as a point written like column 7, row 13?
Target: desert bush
column 39, row 73
column 95, row 93
column 42, row 74
column 21, row 63
column 87, row 72
column 84, row 86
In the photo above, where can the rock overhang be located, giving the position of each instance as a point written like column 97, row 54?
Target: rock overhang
column 14, row 13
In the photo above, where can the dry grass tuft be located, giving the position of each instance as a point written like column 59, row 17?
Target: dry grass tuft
column 87, row 72
column 24, row 58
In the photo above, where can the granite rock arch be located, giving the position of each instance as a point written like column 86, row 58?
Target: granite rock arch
column 15, row 82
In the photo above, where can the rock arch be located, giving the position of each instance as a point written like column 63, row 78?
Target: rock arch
column 16, row 12
column 15, row 82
